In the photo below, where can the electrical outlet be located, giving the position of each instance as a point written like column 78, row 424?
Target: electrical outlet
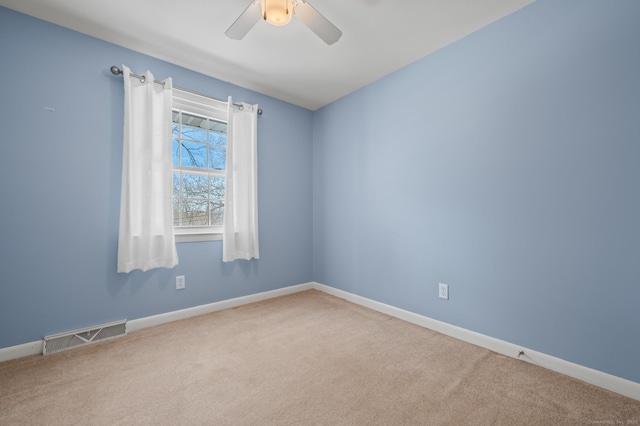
column 180, row 282
column 443, row 291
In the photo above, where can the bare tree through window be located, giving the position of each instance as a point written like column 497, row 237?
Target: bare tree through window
column 199, row 163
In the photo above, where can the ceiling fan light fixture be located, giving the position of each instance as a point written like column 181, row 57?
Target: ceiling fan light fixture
column 280, row 12
column 277, row 12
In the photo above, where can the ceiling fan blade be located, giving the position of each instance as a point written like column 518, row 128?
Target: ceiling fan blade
column 316, row 22
column 245, row 21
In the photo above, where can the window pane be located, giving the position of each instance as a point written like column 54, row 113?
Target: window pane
column 218, row 138
column 217, row 126
column 176, row 185
column 176, row 211
column 194, row 134
column 195, row 212
column 175, row 149
column 217, row 188
column 217, row 157
column 216, row 213
column 194, row 154
column 194, row 128
column 195, row 186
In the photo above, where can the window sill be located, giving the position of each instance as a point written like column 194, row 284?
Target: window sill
column 189, row 235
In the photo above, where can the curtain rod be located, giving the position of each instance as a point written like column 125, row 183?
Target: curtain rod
column 117, row 71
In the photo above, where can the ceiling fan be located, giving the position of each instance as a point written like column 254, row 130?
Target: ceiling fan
column 279, row 12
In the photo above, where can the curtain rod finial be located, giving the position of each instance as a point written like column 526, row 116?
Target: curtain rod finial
column 115, row 70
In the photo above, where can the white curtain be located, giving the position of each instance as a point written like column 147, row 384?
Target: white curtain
column 146, row 239
column 240, row 234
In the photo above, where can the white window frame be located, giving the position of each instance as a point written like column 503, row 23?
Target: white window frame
column 190, row 102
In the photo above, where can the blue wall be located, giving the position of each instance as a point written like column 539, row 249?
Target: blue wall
column 506, row 165
column 60, row 185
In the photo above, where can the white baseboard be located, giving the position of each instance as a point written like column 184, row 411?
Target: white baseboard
column 35, row 348
column 18, row 351
column 141, row 323
column 598, row 378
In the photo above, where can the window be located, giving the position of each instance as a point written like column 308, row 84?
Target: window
column 199, row 148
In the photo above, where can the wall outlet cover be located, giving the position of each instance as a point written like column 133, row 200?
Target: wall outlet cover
column 443, row 291
column 180, row 282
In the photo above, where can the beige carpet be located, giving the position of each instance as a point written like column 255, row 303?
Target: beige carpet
column 304, row 359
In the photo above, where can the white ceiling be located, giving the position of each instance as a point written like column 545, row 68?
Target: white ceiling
column 289, row 63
